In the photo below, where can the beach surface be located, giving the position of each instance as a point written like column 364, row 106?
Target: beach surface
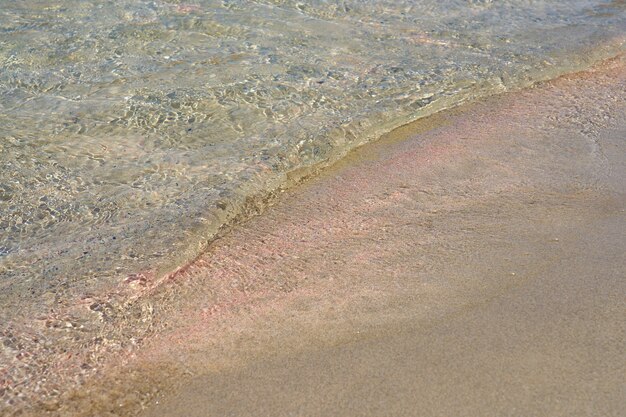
column 471, row 263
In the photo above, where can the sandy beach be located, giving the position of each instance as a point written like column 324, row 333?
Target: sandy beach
column 471, row 263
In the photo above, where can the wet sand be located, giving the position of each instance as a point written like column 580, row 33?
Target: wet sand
column 471, row 263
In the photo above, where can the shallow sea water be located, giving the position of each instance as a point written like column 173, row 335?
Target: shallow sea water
column 132, row 131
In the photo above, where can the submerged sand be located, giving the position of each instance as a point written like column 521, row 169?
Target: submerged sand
column 471, row 263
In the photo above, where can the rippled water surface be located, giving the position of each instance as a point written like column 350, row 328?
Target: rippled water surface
column 131, row 130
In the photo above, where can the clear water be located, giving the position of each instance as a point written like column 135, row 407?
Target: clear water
column 131, row 131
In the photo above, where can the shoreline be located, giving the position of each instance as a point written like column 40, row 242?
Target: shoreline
column 488, row 264
column 260, row 294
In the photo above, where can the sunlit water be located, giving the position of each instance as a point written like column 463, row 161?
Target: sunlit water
column 131, row 131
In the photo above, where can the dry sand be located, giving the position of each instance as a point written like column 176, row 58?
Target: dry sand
column 470, row 264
